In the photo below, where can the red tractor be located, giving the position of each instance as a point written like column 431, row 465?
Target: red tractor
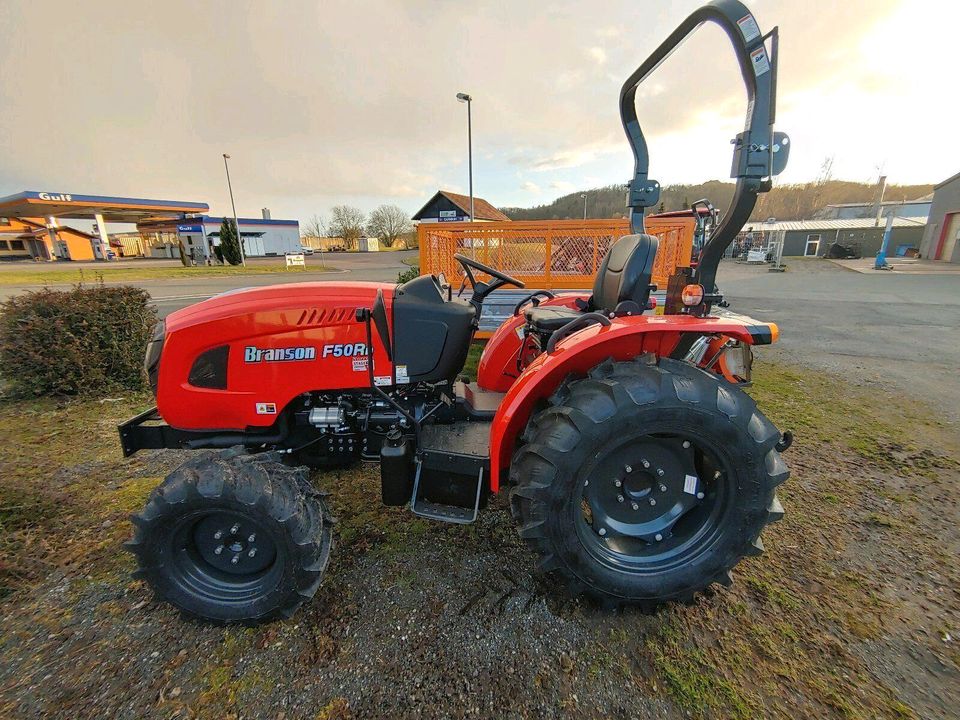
column 639, row 471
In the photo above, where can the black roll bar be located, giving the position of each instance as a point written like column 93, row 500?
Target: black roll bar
column 759, row 152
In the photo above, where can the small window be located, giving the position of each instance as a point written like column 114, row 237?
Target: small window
column 210, row 369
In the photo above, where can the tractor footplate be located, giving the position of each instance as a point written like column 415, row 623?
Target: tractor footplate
column 450, row 471
column 445, row 513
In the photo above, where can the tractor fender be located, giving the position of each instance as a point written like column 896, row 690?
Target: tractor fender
column 624, row 339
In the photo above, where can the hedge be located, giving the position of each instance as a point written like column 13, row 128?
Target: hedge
column 88, row 340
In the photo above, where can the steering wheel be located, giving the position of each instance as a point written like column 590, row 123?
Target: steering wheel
column 471, row 263
column 482, row 289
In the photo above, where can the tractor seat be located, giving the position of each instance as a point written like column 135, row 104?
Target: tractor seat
column 550, row 318
column 623, row 277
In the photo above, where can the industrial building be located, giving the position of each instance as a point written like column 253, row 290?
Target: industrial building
column 941, row 237
column 447, row 206
column 850, row 211
column 812, row 238
column 35, row 219
column 262, row 237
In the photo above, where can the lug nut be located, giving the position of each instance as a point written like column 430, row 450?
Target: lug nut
column 252, row 553
column 234, row 529
column 218, row 550
column 646, row 464
column 235, row 559
column 628, row 469
column 686, row 443
column 658, row 537
column 663, row 488
column 218, row 534
column 652, row 501
column 252, row 538
column 619, row 498
column 699, row 496
column 660, row 472
column 602, row 531
column 634, row 506
column 618, row 482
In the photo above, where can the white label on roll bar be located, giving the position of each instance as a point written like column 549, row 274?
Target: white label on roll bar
column 749, row 27
column 760, row 62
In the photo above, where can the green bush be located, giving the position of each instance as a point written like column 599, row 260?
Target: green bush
column 88, row 340
column 407, row 275
column 230, row 242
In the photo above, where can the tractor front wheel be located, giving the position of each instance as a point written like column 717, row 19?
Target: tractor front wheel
column 233, row 537
column 646, row 481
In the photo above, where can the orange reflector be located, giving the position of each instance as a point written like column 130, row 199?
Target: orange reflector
column 692, row 295
column 774, row 332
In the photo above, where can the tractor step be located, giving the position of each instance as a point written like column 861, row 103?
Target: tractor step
column 445, row 513
column 450, row 471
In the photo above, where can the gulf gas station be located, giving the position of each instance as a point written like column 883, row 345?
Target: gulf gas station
column 35, row 224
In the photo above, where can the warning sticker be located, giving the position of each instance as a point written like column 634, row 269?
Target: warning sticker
column 690, row 484
column 402, row 378
column 381, row 380
column 749, row 27
column 266, row 408
column 760, row 62
column 360, row 364
column 519, row 331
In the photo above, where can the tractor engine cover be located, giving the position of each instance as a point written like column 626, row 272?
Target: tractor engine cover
column 235, row 361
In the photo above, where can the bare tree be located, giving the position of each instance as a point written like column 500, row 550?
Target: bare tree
column 316, row 227
column 346, row 222
column 388, row 222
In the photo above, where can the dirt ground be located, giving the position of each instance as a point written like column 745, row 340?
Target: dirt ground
column 853, row 611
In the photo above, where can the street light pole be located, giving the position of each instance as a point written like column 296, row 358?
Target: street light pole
column 236, row 221
column 463, row 97
column 584, row 196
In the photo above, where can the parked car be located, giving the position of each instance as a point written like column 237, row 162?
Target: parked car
column 306, row 250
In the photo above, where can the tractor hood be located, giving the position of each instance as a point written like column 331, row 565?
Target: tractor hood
column 288, row 299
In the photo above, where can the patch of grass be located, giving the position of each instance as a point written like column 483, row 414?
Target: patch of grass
column 694, row 683
column 473, row 359
column 47, row 276
column 64, row 490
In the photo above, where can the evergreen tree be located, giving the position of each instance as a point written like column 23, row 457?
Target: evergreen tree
column 230, row 242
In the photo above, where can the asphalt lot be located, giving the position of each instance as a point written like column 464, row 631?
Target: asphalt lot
column 889, row 331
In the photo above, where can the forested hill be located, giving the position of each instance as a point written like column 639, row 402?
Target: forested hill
column 784, row 202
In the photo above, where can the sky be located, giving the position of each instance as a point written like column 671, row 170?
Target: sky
column 321, row 103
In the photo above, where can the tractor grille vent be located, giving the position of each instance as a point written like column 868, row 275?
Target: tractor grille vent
column 325, row 316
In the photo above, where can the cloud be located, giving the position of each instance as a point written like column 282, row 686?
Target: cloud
column 563, row 186
column 531, row 187
column 597, row 54
column 312, row 120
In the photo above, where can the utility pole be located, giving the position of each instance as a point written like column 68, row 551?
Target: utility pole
column 236, row 221
column 584, row 196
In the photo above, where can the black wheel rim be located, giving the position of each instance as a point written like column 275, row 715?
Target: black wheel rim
column 224, row 556
column 651, row 502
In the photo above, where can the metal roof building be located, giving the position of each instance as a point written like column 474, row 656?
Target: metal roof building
column 809, row 238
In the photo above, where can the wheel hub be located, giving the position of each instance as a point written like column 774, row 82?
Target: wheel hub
column 642, row 490
column 233, row 544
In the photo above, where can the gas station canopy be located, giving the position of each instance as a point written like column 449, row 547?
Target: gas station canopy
column 33, row 204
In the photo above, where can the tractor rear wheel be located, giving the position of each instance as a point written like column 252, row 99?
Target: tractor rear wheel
column 646, row 481
column 233, row 537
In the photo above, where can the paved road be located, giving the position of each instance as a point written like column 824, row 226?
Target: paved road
column 174, row 293
column 885, row 330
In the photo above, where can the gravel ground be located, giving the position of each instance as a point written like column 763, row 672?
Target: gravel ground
column 852, row 612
